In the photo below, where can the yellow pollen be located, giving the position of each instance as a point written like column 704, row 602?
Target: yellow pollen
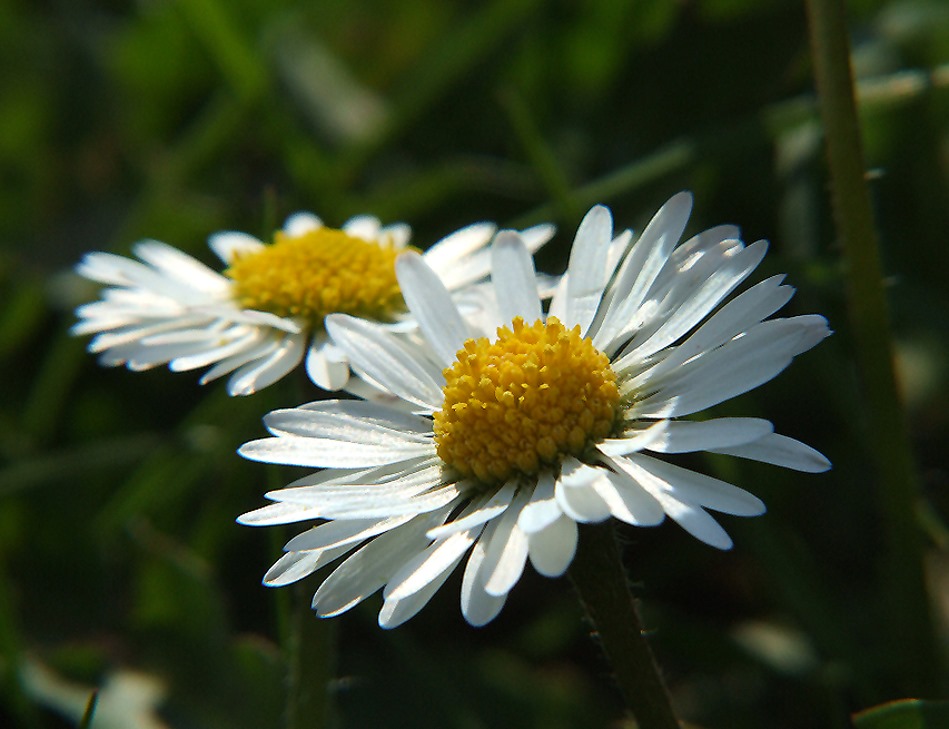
column 317, row 273
column 531, row 397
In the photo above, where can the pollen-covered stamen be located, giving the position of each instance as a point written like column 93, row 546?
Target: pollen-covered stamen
column 532, row 396
column 317, row 273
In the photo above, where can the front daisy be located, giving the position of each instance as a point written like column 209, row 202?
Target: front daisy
column 258, row 319
column 522, row 430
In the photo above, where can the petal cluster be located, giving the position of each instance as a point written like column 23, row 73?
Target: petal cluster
column 397, row 517
column 167, row 308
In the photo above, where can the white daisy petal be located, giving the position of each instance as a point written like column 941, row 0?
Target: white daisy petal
column 301, row 223
column 587, row 268
column 514, row 279
column 704, row 299
column 395, row 611
column 294, row 566
column 684, row 436
column 330, row 452
column 780, row 451
column 352, row 411
column 537, row 235
column 397, row 235
column 542, row 509
column 230, row 346
column 446, row 253
column 576, row 494
column 348, row 423
column 368, row 569
column 341, row 532
column 179, row 267
column 507, row 549
column 401, row 481
column 278, row 514
column 641, row 268
column 736, row 367
column 229, row 245
column 432, row 305
column 738, row 315
column 366, row 227
column 382, row 501
column 386, row 360
column 551, row 549
column 377, row 507
column 695, row 520
column 492, row 507
column 477, row 606
column 635, row 441
column 627, row 500
column 691, row 486
column 441, row 557
column 256, row 376
column 255, row 351
column 326, row 366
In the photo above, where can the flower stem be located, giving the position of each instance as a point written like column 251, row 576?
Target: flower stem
column 908, row 623
column 597, row 574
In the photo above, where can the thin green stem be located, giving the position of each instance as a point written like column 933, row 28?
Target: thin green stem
column 908, row 623
column 597, row 574
column 310, row 648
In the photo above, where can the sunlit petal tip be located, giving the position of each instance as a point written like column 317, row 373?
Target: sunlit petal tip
column 300, row 223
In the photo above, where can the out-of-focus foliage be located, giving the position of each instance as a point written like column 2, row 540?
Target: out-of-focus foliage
column 123, row 568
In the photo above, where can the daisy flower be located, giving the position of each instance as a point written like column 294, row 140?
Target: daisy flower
column 258, row 319
column 518, row 434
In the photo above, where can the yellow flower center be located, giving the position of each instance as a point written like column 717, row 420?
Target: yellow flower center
column 317, row 273
column 532, row 396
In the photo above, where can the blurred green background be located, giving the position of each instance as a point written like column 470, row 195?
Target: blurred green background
column 122, row 566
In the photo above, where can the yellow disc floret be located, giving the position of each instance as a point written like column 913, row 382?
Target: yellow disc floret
column 532, row 396
column 317, row 273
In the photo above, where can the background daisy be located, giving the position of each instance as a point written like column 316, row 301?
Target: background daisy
column 261, row 317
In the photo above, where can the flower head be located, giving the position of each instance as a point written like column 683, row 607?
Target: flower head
column 258, row 319
column 517, row 425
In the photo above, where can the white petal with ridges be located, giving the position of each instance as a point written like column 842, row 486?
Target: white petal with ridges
column 387, row 361
column 273, row 514
column 642, row 266
column 341, row 532
column 479, row 512
column 368, row 569
column 734, row 368
column 781, row 450
column 477, row 606
column 430, row 303
column 507, row 549
column 424, row 568
column 258, row 375
column 696, row 488
column 703, row 299
column 587, row 269
column 343, row 422
column 686, row 436
column 330, row 452
column 627, row 500
column 514, row 279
